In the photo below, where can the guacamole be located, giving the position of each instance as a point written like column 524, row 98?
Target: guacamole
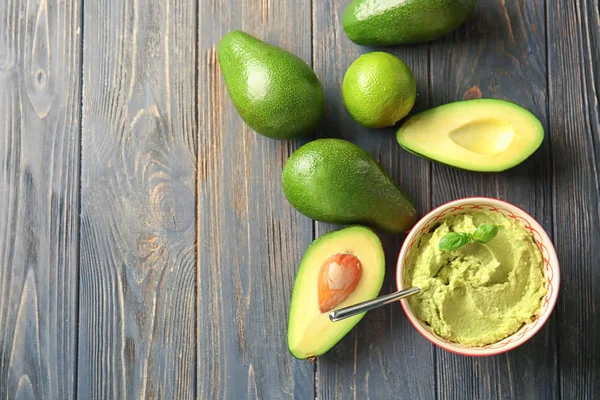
column 477, row 294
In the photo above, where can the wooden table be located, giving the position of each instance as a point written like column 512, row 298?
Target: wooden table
column 146, row 247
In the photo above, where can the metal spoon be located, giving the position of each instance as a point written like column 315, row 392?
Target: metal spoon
column 368, row 305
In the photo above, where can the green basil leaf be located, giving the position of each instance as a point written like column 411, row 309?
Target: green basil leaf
column 453, row 241
column 485, row 233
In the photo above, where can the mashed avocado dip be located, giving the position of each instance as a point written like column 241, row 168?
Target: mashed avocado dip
column 477, row 294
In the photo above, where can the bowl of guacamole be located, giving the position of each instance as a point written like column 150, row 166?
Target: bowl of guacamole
column 479, row 295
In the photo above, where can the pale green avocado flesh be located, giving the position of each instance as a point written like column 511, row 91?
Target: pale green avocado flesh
column 310, row 332
column 484, row 135
column 477, row 294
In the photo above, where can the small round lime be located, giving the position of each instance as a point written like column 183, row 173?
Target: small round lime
column 379, row 89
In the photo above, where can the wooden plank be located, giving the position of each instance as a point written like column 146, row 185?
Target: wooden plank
column 499, row 53
column 40, row 85
column 574, row 76
column 250, row 240
column 138, row 278
column 384, row 356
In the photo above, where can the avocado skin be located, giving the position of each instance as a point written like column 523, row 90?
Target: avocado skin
column 275, row 92
column 333, row 180
column 370, row 23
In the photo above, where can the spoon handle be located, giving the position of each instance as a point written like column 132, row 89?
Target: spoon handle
column 368, row 305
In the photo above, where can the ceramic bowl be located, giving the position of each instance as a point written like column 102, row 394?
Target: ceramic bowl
column 551, row 272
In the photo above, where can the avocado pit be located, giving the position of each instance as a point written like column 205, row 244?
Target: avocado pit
column 338, row 277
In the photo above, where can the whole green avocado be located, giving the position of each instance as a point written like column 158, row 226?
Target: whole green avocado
column 391, row 22
column 274, row 91
column 333, row 180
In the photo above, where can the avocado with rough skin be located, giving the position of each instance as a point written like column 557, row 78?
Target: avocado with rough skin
column 350, row 261
column 275, row 92
column 333, row 180
column 391, row 22
column 485, row 135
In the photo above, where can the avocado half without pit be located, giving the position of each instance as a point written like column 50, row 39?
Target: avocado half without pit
column 485, row 135
column 340, row 268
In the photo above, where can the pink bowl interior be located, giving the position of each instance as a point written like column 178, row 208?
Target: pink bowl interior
column 551, row 271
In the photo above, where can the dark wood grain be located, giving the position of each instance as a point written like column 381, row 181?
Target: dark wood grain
column 40, row 85
column 379, row 357
column 138, row 275
column 500, row 53
column 574, row 77
column 250, row 240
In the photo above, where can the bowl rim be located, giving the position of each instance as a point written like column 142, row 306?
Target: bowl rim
column 553, row 280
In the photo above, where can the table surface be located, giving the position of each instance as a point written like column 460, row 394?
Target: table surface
column 146, row 247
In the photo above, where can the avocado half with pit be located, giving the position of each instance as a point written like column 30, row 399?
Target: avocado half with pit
column 339, row 269
column 485, row 135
